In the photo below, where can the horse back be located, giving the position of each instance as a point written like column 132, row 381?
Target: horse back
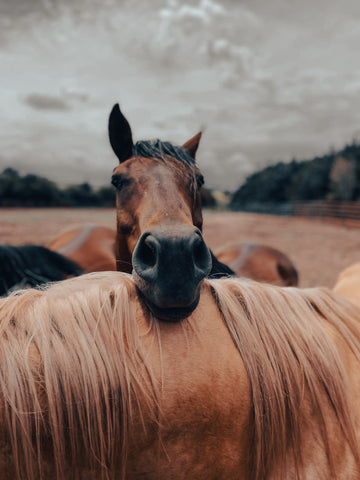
column 259, row 262
column 91, row 247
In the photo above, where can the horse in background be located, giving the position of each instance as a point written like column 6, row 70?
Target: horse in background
column 90, row 246
column 259, row 382
column 348, row 284
column 32, row 265
column 259, row 262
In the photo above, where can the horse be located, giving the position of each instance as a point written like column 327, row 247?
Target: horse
column 348, row 284
column 159, row 220
column 259, row 382
column 90, row 246
column 259, row 262
column 31, row 265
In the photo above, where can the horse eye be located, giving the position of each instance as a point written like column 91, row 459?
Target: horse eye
column 200, row 180
column 117, row 181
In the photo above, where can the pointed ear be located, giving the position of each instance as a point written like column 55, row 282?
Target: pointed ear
column 191, row 145
column 120, row 134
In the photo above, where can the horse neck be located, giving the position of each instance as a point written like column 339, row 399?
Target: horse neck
column 123, row 254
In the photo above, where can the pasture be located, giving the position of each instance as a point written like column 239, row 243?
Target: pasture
column 319, row 248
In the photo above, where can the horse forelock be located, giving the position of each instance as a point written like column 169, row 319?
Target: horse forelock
column 162, row 150
column 165, row 152
column 290, row 360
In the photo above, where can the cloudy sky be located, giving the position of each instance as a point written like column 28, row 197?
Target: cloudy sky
column 265, row 81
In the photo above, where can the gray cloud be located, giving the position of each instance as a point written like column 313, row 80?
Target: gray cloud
column 40, row 101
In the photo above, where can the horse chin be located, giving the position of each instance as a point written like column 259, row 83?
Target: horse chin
column 174, row 314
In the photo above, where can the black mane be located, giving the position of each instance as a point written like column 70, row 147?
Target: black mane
column 161, row 150
column 219, row 269
column 32, row 265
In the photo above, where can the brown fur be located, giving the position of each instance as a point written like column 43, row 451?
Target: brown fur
column 92, row 247
column 93, row 385
column 158, row 194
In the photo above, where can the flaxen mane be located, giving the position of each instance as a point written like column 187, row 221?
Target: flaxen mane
column 281, row 338
column 85, row 362
column 92, row 369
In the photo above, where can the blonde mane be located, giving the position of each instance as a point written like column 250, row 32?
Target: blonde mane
column 75, row 377
column 286, row 351
column 90, row 369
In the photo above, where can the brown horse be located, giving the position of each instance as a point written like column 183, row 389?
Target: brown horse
column 258, row 383
column 159, row 220
column 259, row 262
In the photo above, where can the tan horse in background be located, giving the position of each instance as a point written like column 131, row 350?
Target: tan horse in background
column 259, row 383
column 348, row 284
column 90, row 246
column 259, row 262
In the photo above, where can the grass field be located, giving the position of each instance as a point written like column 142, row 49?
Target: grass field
column 320, row 249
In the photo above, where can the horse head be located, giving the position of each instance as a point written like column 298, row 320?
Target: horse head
column 159, row 219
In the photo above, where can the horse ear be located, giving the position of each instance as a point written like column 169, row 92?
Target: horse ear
column 120, row 134
column 191, row 145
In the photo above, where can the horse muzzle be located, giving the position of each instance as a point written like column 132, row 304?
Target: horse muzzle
column 168, row 267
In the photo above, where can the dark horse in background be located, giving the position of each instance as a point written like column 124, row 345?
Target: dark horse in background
column 32, row 265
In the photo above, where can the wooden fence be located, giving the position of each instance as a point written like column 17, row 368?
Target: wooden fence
column 345, row 211
column 342, row 210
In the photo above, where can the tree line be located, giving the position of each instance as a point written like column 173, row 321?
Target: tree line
column 335, row 176
column 35, row 191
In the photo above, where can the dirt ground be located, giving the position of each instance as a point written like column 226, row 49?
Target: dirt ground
column 319, row 248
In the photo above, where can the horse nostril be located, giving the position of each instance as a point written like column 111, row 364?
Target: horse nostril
column 146, row 252
column 201, row 255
